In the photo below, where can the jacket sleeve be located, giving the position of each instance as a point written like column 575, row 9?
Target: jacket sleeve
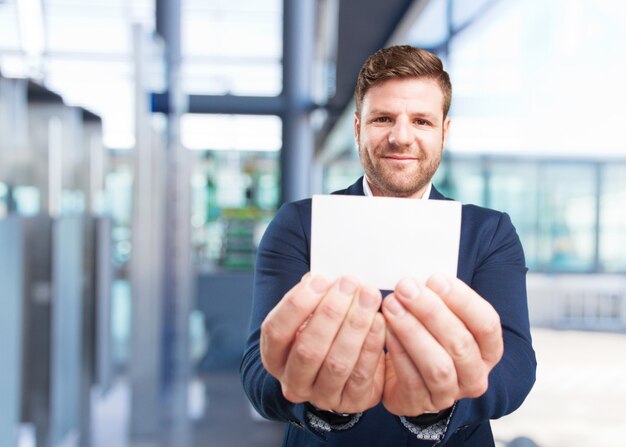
column 499, row 276
column 282, row 260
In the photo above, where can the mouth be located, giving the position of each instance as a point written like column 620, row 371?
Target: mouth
column 400, row 158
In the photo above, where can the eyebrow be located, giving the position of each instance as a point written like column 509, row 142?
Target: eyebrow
column 428, row 115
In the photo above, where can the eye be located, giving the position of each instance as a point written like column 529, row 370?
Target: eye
column 421, row 122
column 382, row 119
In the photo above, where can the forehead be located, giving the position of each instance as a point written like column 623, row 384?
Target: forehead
column 423, row 94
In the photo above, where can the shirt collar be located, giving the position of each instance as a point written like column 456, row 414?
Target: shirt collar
column 368, row 191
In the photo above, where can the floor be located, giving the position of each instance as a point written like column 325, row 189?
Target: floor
column 579, row 400
column 229, row 419
column 226, row 419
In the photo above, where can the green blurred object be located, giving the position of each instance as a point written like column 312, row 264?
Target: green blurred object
column 238, row 247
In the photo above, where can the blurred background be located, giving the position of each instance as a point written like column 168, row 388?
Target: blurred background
column 146, row 144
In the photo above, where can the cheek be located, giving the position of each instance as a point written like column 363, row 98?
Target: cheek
column 431, row 142
column 372, row 140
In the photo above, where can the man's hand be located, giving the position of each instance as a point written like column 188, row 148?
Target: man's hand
column 324, row 343
column 443, row 339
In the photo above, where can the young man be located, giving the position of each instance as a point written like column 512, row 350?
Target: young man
column 430, row 364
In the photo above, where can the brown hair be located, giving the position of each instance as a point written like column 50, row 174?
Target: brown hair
column 402, row 61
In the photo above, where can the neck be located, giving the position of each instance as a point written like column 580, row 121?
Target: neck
column 380, row 193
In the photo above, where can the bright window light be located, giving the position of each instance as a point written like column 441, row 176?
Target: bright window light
column 31, row 22
column 231, row 132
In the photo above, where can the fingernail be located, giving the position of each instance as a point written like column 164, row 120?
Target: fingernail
column 393, row 306
column 318, row 284
column 369, row 298
column 439, row 284
column 346, row 286
column 408, row 289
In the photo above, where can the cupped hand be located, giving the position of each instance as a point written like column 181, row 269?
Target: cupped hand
column 443, row 339
column 324, row 343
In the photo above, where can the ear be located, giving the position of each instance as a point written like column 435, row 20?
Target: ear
column 446, row 127
column 357, row 123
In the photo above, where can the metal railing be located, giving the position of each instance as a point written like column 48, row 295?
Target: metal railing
column 583, row 302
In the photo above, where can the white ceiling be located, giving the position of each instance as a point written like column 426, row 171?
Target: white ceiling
column 229, row 46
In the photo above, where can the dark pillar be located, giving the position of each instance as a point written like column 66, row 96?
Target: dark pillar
column 298, row 54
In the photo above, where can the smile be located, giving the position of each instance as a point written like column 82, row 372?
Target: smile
column 400, row 158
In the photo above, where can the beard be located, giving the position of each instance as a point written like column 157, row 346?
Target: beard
column 398, row 181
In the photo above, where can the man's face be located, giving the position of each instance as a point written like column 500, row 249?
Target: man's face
column 401, row 133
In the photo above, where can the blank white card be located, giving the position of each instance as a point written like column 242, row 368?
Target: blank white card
column 381, row 240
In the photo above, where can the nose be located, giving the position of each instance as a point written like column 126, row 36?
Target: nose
column 400, row 134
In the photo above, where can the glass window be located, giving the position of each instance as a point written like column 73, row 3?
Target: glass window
column 68, row 32
column 218, row 76
column 4, row 200
column 231, row 132
column 613, row 219
column 514, row 188
column 9, row 31
column 517, row 78
column 464, row 11
column 566, row 217
column 431, row 27
column 119, row 198
column 462, row 179
column 27, row 200
column 341, row 174
column 232, row 47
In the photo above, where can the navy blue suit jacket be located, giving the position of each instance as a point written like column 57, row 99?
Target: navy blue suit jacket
column 491, row 261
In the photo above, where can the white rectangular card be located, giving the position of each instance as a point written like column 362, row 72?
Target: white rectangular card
column 381, row 240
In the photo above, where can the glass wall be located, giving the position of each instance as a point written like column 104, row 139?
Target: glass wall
column 566, row 218
column 612, row 234
column 514, row 187
column 569, row 214
column 537, row 117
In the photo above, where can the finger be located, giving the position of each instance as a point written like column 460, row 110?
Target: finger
column 477, row 314
column 314, row 341
column 448, row 330
column 410, row 396
column 286, row 319
column 433, row 362
column 347, row 346
column 365, row 382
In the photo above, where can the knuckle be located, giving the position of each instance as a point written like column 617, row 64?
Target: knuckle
column 307, row 354
column 462, row 346
column 440, row 374
column 294, row 305
column 478, row 387
column 269, row 330
column 270, row 366
column 500, row 352
column 491, row 327
column 373, row 344
column 358, row 323
column 337, row 367
column 359, row 376
column 442, row 402
column 292, row 396
column 331, row 311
